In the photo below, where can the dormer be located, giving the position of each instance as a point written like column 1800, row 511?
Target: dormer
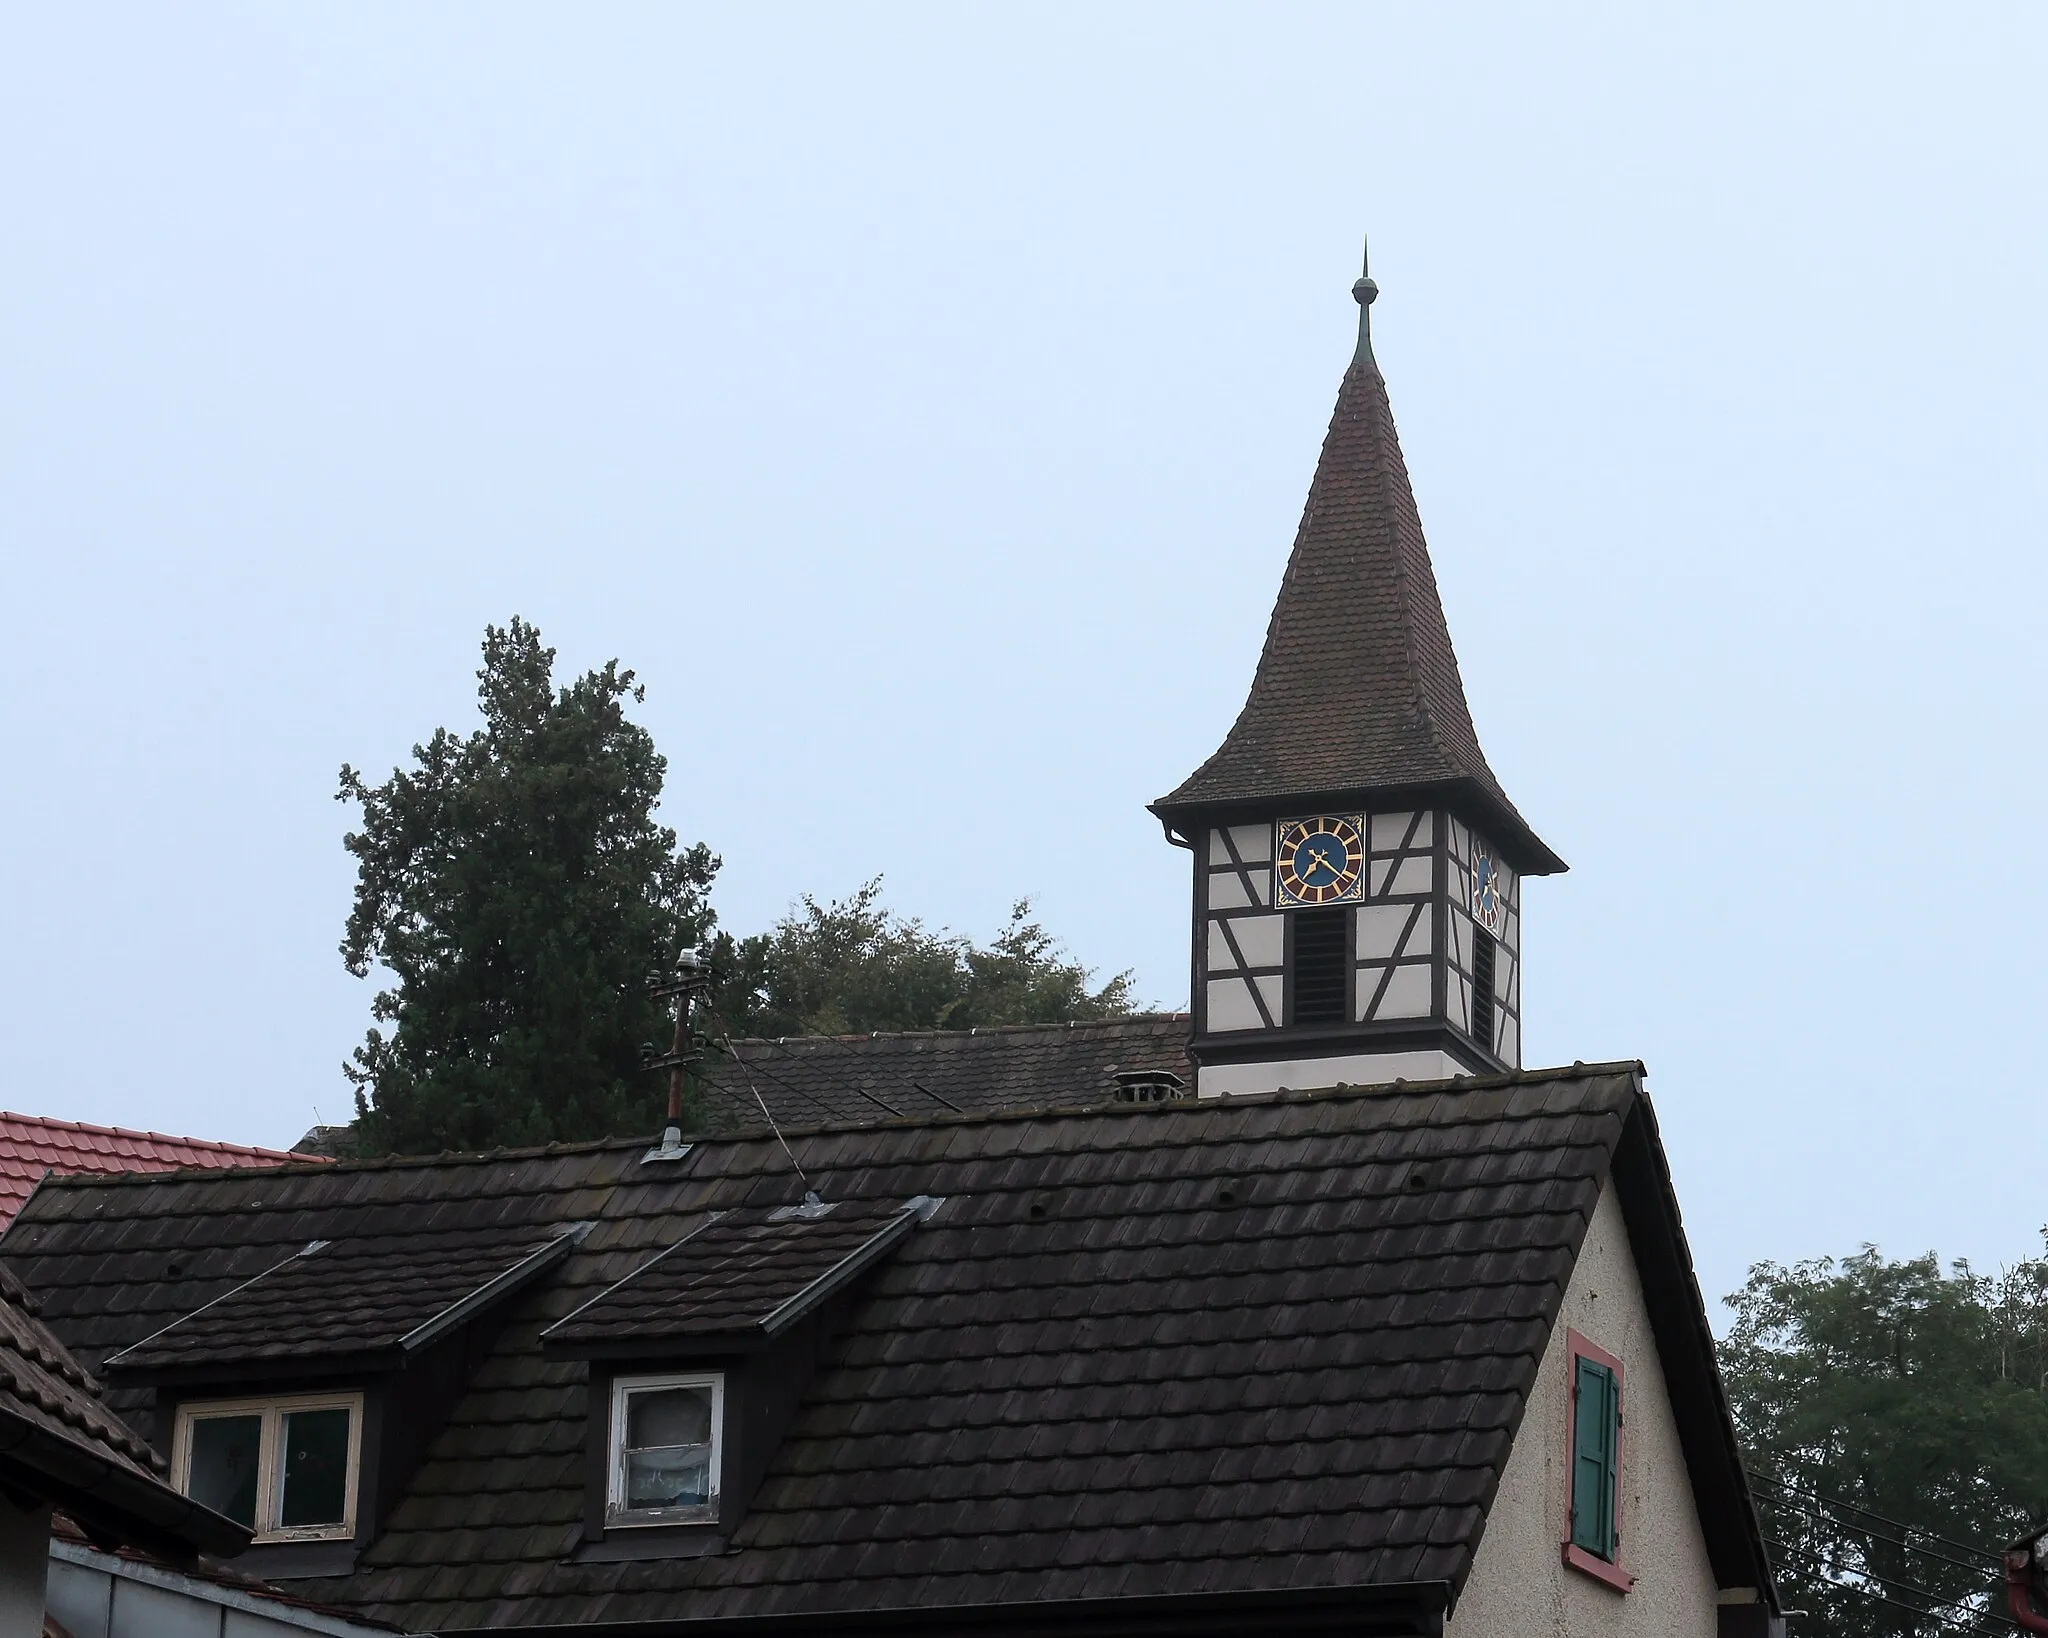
column 699, row 1358
column 300, row 1402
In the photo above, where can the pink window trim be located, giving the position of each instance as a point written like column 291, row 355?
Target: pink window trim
column 1579, row 1346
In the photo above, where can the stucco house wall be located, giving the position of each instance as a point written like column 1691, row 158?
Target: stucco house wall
column 1520, row 1586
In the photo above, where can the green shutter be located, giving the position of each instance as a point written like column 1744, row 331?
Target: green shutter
column 1596, row 1445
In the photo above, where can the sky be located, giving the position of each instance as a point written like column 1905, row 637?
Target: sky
column 922, row 399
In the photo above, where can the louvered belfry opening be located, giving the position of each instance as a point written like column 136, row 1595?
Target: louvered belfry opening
column 1482, row 987
column 1321, row 938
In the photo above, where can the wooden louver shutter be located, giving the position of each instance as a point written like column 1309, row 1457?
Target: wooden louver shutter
column 1596, row 1443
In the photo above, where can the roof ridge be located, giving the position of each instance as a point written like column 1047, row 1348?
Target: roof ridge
column 1460, row 1084
column 216, row 1144
column 984, row 1029
column 1346, row 1089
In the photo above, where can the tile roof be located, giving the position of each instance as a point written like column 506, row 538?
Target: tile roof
column 361, row 1298
column 1357, row 646
column 1260, row 1348
column 59, row 1442
column 31, row 1145
column 806, row 1079
column 739, row 1272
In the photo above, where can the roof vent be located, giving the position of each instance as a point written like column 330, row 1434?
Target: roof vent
column 1149, row 1086
column 810, row 1211
column 672, row 1146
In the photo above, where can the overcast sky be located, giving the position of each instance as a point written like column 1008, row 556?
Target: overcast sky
column 922, row 400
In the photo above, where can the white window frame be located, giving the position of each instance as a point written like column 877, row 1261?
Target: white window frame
column 273, row 1409
column 616, row 1512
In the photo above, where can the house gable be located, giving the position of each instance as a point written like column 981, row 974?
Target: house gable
column 1520, row 1585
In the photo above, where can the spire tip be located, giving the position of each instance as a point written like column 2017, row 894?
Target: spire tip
column 1364, row 292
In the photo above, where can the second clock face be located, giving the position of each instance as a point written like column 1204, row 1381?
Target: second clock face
column 1320, row 861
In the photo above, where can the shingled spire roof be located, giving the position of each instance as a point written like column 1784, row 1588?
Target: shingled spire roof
column 1358, row 690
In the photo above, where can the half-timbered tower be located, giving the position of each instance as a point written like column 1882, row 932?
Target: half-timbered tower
column 1357, row 867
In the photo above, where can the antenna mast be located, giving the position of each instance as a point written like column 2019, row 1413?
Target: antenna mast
column 691, row 984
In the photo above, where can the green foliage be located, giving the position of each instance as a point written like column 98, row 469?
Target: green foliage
column 853, row 966
column 1919, row 1396
column 516, row 886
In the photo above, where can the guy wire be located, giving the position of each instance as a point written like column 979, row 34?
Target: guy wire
column 725, row 1036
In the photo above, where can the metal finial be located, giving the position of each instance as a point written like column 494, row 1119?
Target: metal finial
column 1364, row 292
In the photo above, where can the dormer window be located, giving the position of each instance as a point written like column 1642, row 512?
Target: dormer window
column 284, row 1467
column 665, row 1449
column 698, row 1359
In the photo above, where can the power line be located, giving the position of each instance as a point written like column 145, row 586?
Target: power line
column 1975, row 1552
column 811, row 1059
column 1977, row 1566
column 838, row 1045
column 1975, row 1622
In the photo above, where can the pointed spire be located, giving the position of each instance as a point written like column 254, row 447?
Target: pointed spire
column 1357, row 691
column 1365, row 293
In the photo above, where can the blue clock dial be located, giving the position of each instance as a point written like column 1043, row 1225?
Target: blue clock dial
column 1320, row 861
column 1489, row 907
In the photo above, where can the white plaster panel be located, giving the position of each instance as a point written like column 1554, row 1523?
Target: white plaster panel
column 1226, row 891
column 1365, row 984
column 1422, row 941
column 1220, row 958
column 1457, row 1003
column 1519, row 1586
column 1310, row 1074
column 1254, row 844
column 1262, row 939
column 1407, row 993
column 1231, row 1006
column 1380, row 927
column 1461, row 841
column 1389, row 830
column 1415, row 875
column 1510, row 1048
column 1269, row 991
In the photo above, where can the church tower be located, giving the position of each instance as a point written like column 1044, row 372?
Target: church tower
column 1357, row 868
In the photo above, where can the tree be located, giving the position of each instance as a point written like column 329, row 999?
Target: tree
column 1904, row 1397
column 518, row 889
column 854, row 966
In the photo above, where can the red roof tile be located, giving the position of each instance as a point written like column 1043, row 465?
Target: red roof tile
column 31, row 1145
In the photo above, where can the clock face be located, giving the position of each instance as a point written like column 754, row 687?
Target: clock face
column 1489, row 900
column 1320, row 861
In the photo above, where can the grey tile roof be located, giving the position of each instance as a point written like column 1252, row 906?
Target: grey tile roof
column 806, row 1079
column 60, row 1443
column 1258, row 1348
column 368, row 1295
column 737, row 1272
column 1357, row 688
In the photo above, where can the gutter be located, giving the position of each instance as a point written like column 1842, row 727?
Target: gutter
column 1404, row 1609
column 110, row 1495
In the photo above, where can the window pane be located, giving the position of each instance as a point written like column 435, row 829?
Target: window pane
column 668, row 1416
column 669, row 1476
column 222, row 1474
column 315, row 1468
column 667, row 1453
